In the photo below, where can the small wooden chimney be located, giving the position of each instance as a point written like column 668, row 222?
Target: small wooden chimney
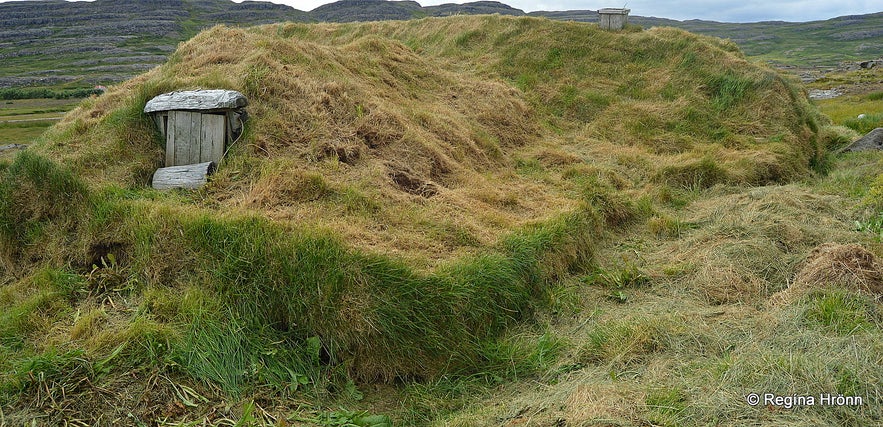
column 614, row 18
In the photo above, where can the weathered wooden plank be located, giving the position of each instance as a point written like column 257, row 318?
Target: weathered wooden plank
column 212, row 137
column 182, row 123
column 220, row 138
column 170, row 140
column 195, row 138
column 213, row 99
column 184, row 176
column 206, row 139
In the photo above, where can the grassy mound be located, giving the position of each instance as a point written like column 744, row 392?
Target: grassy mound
column 429, row 139
column 404, row 193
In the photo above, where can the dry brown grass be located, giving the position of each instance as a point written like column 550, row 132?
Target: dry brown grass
column 831, row 265
column 383, row 124
column 376, row 131
column 598, row 402
column 585, row 398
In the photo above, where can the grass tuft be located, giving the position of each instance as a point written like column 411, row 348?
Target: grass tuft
column 34, row 190
column 865, row 124
column 842, row 313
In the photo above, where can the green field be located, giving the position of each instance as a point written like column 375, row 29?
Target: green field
column 23, row 120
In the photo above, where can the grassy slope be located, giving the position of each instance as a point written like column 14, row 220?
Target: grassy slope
column 379, row 122
column 444, row 202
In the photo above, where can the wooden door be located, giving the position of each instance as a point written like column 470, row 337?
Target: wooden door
column 194, row 137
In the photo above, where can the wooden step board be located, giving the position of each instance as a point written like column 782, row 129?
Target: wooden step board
column 184, row 176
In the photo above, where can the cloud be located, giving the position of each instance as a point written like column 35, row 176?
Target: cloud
column 300, row 4
column 716, row 10
column 750, row 10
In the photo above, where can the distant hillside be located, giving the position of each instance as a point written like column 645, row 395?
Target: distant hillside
column 818, row 43
column 54, row 42
column 381, row 10
column 795, row 43
column 366, row 10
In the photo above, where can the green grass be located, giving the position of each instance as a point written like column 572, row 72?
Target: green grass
column 36, row 106
column 522, row 356
column 728, row 89
column 33, row 193
column 51, row 370
column 623, row 343
column 251, row 332
column 46, row 93
column 866, row 123
column 667, row 405
column 841, row 313
column 275, row 281
column 619, row 282
column 845, row 111
column 866, row 99
column 218, row 351
column 23, row 133
column 250, row 259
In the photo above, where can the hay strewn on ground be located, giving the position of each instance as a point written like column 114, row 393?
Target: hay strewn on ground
column 836, row 266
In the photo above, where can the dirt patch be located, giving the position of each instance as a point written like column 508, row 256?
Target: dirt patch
column 345, row 153
column 409, row 182
column 105, row 252
column 849, row 267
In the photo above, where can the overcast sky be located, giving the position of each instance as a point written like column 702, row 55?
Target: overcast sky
column 716, row 10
